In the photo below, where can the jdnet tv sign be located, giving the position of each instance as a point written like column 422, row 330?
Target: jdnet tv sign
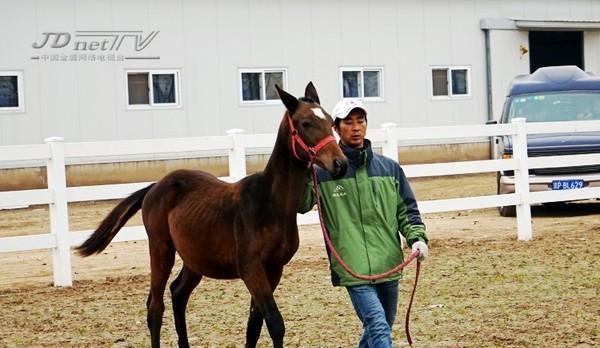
column 93, row 46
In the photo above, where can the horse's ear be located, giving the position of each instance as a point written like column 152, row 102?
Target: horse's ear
column 311, row 92
column 290, row 102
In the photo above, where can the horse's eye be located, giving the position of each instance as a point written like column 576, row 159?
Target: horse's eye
column 305, row 124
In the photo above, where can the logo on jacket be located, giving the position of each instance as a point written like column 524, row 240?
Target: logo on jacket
column 339, row 191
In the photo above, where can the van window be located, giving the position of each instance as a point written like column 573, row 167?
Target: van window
column 554, row 107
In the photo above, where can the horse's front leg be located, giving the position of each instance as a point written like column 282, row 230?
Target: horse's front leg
column 255, row 322
column 263, row 305
column 255, row 318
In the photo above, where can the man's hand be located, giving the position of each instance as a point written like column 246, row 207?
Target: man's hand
column 423, row 250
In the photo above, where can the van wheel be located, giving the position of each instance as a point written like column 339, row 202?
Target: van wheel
column 508, row 211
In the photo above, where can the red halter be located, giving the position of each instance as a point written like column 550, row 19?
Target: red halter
column 311, row 151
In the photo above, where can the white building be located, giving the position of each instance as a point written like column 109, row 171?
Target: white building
column 107, row 70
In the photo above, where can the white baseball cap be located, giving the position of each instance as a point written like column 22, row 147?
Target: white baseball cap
column 345, row 106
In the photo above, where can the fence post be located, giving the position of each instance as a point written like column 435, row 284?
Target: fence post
column 59, row 215
column 390, row 147
column 524, row 231
column 390, row 150
column 237, row 154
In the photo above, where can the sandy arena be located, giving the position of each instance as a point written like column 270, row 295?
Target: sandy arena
column 479, row 288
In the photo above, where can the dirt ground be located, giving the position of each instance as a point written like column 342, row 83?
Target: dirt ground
column 479, row 288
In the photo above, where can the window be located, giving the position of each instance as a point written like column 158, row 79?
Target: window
column 152, row 89
column 556, row 106
column 450, row 82
column 365, row 83
column 258, row 85
column 11, row 91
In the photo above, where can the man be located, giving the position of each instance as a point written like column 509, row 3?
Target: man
column 363, row 212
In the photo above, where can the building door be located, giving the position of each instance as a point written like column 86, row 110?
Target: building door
column 550, row 48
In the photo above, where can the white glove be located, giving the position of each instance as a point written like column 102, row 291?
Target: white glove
column 423, row 250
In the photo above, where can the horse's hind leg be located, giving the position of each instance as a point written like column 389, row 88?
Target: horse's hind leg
column 181, row 288
column 255, row 319
column 162, row 258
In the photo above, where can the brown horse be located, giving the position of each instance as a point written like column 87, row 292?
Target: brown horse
column 244, row 230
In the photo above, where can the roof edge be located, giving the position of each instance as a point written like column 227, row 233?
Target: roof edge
column 497, row 24
column 538, row 24
column 557, row 24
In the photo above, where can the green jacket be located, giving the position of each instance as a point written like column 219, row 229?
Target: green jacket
column 363, row 212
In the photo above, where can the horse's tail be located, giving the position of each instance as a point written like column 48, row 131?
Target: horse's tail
column 109, row 227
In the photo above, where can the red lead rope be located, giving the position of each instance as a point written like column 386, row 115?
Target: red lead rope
column 399, row 267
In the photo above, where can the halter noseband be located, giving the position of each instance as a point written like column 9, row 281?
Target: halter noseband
column 312, row 151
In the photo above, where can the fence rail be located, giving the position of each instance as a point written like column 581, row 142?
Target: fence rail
column 55, row 153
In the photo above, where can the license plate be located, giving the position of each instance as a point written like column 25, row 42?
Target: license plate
column 567, row 184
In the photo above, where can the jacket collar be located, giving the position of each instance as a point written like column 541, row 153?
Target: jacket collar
column 358, row 157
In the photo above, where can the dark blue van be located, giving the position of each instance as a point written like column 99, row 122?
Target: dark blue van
column 552, row 94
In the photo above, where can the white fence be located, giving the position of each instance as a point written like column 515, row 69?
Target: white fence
column 54, row 152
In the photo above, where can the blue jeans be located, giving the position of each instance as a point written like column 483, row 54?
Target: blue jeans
column 375, row 305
